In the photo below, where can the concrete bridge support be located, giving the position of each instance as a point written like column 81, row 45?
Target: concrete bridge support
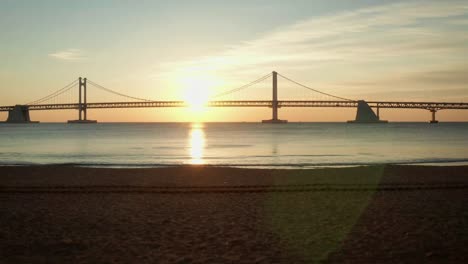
column 365, row 114
column 19, row 114
column 274, row 103
column 82, row 105
column 433, row 120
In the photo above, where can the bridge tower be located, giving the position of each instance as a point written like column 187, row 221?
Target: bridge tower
column 82, row 105
column 274, row 103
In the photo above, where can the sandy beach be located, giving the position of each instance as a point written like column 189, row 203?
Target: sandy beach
column 379, row 214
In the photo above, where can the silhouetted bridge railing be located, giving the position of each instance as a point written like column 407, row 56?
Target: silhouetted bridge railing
column 365, row 114
column 431, row 106
column 246, row 103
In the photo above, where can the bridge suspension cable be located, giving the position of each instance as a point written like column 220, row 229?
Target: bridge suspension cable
column 314, row 90
column 242, row 87
column 117, row 93
column 54, row 94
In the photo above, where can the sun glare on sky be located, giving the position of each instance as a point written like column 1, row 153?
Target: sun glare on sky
column 197, row 89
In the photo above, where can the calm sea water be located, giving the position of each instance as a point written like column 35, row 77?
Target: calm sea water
column 235, row 144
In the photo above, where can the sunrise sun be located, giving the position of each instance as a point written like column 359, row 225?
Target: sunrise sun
column 197, row 90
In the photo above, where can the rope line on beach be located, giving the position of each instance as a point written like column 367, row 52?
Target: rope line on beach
column 390, row 184
column 224, row 189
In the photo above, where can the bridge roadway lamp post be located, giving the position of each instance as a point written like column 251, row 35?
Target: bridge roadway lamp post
column 82, row 104
column 274, row 103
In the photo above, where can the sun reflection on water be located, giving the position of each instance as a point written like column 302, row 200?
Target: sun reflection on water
column 197, row 144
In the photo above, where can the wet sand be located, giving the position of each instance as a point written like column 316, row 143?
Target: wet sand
column 381, row 214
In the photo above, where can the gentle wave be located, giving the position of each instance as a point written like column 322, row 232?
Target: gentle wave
column 440, row 161
column 302, row 145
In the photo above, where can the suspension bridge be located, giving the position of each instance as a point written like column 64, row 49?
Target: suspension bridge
column 75, row 96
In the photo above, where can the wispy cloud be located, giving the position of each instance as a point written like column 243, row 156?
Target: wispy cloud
column 68, row 54
column 449, row 84
column 364, row 45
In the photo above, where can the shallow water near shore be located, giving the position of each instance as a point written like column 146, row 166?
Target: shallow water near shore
column 294, row 145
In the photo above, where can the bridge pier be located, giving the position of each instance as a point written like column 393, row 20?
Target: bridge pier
column 365, row 114
column 433, row 120
column 82, row 105
column 274, row 103
column 19, row 114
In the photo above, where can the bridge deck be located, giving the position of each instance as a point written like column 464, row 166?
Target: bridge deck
column 267, row 103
